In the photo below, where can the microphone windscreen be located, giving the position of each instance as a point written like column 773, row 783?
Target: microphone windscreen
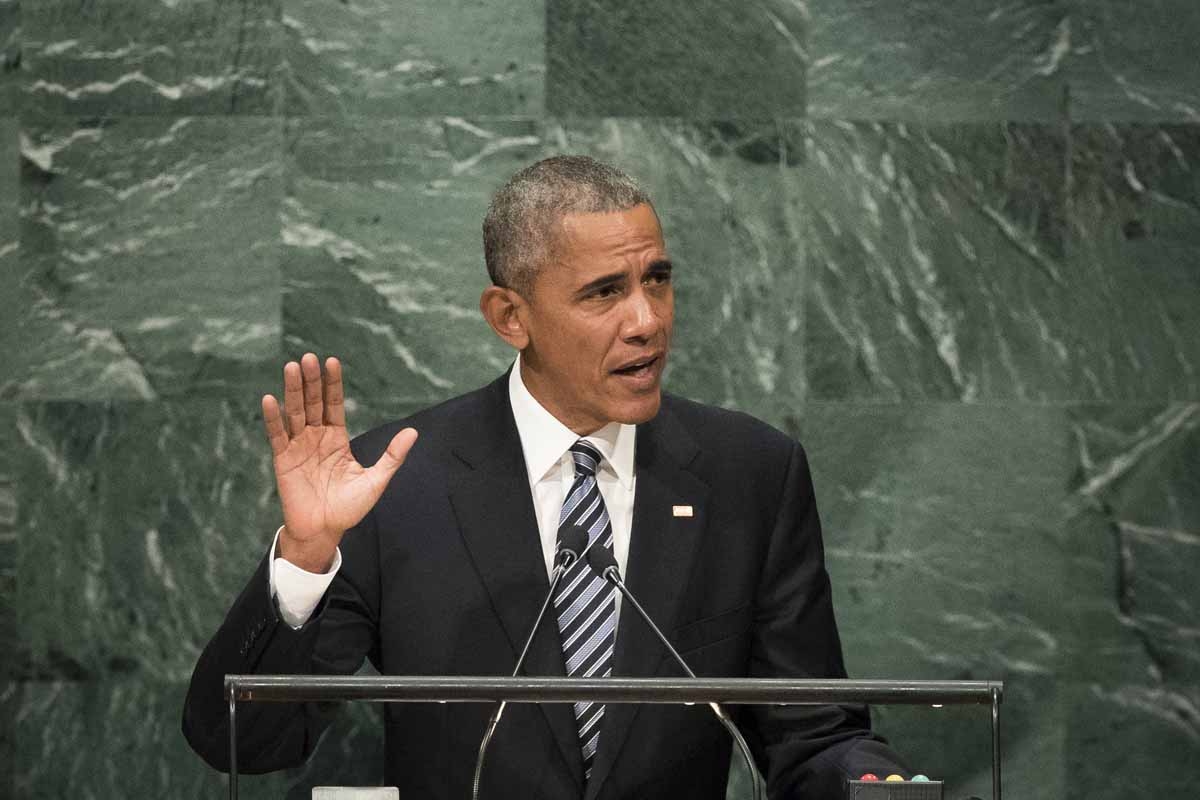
column 601, row 558
column 573, row 540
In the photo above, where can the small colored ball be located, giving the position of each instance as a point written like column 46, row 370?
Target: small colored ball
column 920, row 779
column 870, row 776
column 893, row 778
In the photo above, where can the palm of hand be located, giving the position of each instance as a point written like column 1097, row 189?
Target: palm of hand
column 323, row 489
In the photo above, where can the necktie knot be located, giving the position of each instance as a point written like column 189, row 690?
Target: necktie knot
column 587, row 458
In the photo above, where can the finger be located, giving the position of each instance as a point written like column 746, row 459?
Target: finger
column 273, row 420
column 335, row 396
column 310, row 367
column 293, row 398
column 397, row 451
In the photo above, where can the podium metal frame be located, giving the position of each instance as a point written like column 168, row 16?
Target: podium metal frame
column 661, row 691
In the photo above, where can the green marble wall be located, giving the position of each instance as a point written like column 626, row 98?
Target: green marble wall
column 955, row 247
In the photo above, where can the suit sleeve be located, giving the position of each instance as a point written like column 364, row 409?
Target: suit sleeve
column 808, row 751
column 254, row 639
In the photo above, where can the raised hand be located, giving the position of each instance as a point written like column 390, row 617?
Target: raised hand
column 324, row 491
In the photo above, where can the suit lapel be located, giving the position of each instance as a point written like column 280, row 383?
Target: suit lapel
column 661, row 550
column 496, row 518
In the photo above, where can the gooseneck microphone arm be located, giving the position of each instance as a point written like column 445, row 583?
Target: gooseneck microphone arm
column 571, row 543
column 602, row 560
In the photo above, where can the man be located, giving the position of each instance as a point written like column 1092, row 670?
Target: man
column 439, row 567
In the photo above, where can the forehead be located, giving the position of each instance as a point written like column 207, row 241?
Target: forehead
column 611, row 236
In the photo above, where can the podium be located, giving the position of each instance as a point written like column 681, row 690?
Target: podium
column 736, row 691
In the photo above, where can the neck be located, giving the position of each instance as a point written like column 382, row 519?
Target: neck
column 578, row 423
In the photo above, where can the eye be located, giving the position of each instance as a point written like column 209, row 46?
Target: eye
column 611, row 290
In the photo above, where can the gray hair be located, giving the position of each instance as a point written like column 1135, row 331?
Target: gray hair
column 520, row 230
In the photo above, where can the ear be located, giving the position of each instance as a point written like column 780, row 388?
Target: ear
column 504, row 311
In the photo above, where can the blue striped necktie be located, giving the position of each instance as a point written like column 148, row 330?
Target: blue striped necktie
column 584, row 602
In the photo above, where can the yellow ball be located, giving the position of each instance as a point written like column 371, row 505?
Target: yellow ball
column 894, row 778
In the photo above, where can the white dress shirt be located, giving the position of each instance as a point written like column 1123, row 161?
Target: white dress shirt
column 550, row 468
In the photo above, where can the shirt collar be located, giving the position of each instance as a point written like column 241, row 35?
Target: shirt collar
column 544, row 439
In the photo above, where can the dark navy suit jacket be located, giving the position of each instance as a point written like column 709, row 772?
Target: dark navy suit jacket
column 446, row 574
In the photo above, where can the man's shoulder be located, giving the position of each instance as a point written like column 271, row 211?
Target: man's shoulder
column 439, row 423
column 743, row 459
column 724, row 428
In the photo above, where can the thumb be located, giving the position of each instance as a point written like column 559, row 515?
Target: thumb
column 391, row 459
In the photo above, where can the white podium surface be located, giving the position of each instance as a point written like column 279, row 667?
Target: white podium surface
column 355, row 793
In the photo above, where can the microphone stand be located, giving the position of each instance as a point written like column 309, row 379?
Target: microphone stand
column 611, row 574
column 567, row 555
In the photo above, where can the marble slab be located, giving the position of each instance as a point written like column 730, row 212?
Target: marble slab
column 14, row 335
column 1134, row 62
column 10, row 167
column 10, row 63
column 383, row 258
column 139, row 524
column 152, row 57
column 996, row 263
column 121, row 738
column 9, row 533
column 918, row 237
column 1129, row 742
column 929, row 61
column 1133, row 662
column 688, row 58
column 378, row 58
column 1130, row 314
column 945, row 546
column 1050, row 547
column 150, row 256
column 8, row 743
column 10, row 57
column 982, row 60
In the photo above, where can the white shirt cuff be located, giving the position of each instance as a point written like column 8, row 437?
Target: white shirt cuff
column 298, row 592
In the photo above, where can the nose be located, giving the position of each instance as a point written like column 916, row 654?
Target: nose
column 642, row 319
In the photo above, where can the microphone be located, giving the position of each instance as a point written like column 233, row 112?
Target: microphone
column 602, row 560
column 571, row 545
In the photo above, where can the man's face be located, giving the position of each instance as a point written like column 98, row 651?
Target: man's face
column 599, row 321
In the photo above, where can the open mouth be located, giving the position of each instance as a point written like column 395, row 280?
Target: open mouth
column 638, row 368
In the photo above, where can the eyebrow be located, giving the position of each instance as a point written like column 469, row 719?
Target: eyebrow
column 658, row 266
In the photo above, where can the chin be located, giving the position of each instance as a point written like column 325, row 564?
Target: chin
column 635, row 412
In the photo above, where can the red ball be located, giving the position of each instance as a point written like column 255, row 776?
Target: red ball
column 870, row 776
